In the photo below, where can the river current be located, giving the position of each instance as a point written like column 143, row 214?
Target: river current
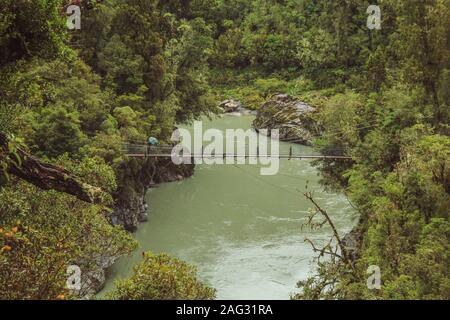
column 242, row 230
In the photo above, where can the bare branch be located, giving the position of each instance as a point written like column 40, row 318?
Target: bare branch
column 344, row 257
column 323, row 251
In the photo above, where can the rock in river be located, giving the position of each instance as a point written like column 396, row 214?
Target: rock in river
column 230, row 105
column 292, row 117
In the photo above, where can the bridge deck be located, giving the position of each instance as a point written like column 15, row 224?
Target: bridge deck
column 144, row 151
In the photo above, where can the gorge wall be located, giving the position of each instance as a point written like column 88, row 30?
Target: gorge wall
column 135, row 177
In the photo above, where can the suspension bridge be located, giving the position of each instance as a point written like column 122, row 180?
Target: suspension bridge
column 166, row 151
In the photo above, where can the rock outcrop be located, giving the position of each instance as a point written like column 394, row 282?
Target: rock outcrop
column 231, row 105
column 293, row 119
column 353, row 241
column 131, row 207
column 94, row 280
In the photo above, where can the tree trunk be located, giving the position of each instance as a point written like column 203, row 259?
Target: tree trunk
column 43, row 175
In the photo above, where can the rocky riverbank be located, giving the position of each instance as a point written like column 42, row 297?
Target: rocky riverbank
column 234, row 107
column 131, row 207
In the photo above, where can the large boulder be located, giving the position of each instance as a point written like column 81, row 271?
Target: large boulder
column 293, row 119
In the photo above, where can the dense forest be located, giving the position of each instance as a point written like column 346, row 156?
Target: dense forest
column 69, row 99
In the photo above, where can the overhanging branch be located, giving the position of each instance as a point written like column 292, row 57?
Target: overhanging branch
column 44, row 175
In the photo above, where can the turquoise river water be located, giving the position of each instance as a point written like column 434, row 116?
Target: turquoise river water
column 242, row 230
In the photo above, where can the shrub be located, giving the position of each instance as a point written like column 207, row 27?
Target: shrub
column 160, row 277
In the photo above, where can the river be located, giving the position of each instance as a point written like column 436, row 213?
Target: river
column 242, row 230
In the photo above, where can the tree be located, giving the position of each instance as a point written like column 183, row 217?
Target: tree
column 58, row 131
column 146, row 38
column 42, row 233
column 421, row 43
column 15, row 161
column 159, row 277
column 30, row 28
column 122, row 69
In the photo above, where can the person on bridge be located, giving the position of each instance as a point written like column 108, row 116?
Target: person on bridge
column 151, row 142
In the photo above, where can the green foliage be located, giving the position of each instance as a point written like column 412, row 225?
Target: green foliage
column 143, row 39
column 123, row 69
column 142, row 67
column 160, row 277
column 247, row 95
column 8, row 115
column 29, row 28
column 42, row 233
column 188, row 55
column 270, row 86
column 9, row 155
column 253, row 94
column 401, row 210
column 228, row 49
column 397, row 136
column 317, row 49
column 57, row 131
column 151, row 73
